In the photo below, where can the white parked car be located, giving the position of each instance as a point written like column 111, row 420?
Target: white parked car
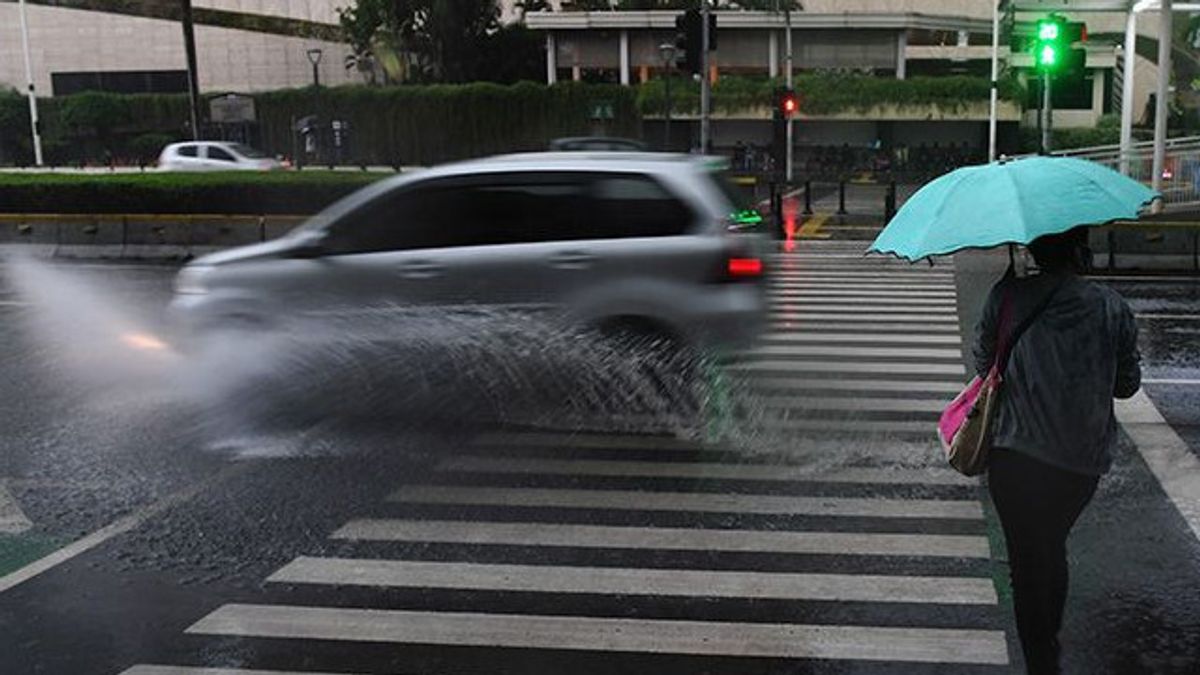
column 214, row 156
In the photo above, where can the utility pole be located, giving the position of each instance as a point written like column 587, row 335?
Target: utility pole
column 993, row 95
column 189, row 48
column 1160, row 102
column 705, row 85
column 787, row 21
column 33, row 109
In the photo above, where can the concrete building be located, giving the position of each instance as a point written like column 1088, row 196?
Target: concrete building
column 885, row 38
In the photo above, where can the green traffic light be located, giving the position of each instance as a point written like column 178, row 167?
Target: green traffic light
column 1048, row 55
column 1047, row 30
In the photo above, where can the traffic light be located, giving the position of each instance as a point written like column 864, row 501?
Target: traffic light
column 688, row 40
column 786, row 102
column 1053, row 46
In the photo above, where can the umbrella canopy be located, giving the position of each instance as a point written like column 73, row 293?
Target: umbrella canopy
column 1011, row 202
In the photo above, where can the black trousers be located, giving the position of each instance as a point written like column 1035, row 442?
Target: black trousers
column 1038, row 504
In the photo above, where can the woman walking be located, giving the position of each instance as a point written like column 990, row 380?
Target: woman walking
column 1055, row 430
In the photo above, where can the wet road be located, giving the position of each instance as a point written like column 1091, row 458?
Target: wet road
column 223, row 559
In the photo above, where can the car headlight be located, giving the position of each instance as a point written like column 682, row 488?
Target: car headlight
column 191, row 280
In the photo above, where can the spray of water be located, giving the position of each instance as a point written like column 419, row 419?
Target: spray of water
column 301, row 385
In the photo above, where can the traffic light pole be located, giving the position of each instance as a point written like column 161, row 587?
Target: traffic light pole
column 705, row 85
column 787, row 21
column 34, row 126
column 1047, row 112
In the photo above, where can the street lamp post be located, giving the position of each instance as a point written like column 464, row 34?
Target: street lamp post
column 34, row 130
column 668, row 56
column 314, row 57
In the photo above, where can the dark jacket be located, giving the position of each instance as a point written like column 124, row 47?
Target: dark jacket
column 1078, row 354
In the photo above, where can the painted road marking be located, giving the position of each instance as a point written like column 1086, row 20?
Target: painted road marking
column 856, row 352
column 15, row 303
column 779, row 299
column 836, row 291
column 855, row 404
column 835, row 338
column 705, row 638
column 190, row 670
column 704, row 470
column 702, row 502
column 12, row 519
column 857, row 427
column 810, row 226
column 913, row 386
column 1168, row 456
column 583, row 440
column 882, row 328
column 666, row 538
column 627, row 581
column 120, row 526
column 863, row 367
column 1170, row 381
column 938, row 310
column 1168, row 317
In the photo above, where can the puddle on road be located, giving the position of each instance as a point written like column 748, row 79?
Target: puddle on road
column 299, row 388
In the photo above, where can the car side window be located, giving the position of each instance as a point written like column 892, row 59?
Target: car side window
column 219, row 154
column 186, row 151
column 634, row 205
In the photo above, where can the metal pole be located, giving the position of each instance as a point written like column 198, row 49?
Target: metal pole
column 1160, row 110
column 316, row 76
column 1127, row 91
column 33, row 109
column 705, row 85
column 189, row 48
column 994, row 96
column 1048, row 111
column 667, row 130
column 787, row 20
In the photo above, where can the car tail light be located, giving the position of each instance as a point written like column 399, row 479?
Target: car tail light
column 744, row 268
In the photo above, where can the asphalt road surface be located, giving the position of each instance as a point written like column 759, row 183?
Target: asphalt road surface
column 815, row 532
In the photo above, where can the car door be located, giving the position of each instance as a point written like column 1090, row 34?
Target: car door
column 187, row 158
column 217, row 158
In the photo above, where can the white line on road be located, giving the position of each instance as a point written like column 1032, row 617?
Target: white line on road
column 851, row 426
column 1168, row 317
column 1168, row 456
column 148, row 669
column 637, row 581
column 949, row 319
column 120, row 526
column 666, row 538
column 707, row 502
column 853, row 404
column 12, row 519
column 839, row 338
column 1144, row 279
column 704, row 470
column 779, row 299
column 876, row 327
column 660, row 636
column 823, row 291
column 15, row 303
column 872, row 367
column 856, row 352
column 800, row 385
column 940, row 310
column 1170, row 381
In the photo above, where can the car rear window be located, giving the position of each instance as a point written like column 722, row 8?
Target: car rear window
column 186, row 151
column 632, row 205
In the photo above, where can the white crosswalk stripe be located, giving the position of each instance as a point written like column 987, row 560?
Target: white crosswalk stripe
column 859, row 349
column 657, row 636
column 626, row 581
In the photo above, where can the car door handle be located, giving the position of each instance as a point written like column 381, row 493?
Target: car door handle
column 572, row 260
column 421, row 270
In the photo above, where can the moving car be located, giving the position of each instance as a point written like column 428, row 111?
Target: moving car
column 214, row 156
column 637, row 242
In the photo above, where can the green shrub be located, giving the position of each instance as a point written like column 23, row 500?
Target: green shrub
column 146, row 147
column 276, row 193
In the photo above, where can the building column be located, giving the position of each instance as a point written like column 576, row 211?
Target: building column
column 1128, row 68
column 773, row 54
column 551, row 59
column 901, row 60
column 1162, row 92
column 625, row 57
column 1097, row 95
column 576, row 73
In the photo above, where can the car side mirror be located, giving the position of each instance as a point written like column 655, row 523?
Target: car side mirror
column 309, row 245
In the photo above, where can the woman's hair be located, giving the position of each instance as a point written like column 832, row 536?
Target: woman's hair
column 1065, row 251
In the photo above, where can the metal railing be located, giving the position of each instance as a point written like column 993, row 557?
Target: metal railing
column 1181, row 171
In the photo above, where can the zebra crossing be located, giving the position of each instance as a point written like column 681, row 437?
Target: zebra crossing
column 532, row 552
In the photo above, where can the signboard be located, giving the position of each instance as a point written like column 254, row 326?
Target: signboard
column 231, row 109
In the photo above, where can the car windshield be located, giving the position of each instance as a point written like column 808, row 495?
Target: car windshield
column 247, row 151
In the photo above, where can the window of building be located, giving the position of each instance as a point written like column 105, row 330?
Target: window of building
column 120, row 82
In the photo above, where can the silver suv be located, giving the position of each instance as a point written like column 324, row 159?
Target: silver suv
column 627, row 240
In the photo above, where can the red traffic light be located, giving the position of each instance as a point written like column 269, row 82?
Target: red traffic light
column 788, row 103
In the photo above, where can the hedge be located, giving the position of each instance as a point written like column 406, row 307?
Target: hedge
column 279, row 193
column 388, row 125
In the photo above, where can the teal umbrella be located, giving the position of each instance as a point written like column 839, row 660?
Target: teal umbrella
column 1009, row 202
